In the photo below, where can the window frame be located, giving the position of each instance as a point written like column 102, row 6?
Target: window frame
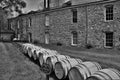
column 29, row 22
column 47, row 38
column 105, row 42
column 18, row 24
column 74, row 15
column 47, row 20
column 105, row 12
column 74, row 38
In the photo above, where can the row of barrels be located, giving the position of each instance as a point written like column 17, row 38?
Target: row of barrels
column 64, row 66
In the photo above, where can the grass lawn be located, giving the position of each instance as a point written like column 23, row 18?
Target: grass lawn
column 15, row 66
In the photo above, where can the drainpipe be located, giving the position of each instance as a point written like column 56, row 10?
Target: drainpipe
column 86, row 25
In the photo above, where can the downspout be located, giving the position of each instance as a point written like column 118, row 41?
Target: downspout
column 86, row 25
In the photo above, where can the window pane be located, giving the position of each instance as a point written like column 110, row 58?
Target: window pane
column 109, row 39
column 47, row 20
column 74, row 38
column 109, row 13
column 75, row 15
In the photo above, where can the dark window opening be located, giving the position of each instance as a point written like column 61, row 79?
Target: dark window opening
column 109, row 39
column 74, row 15
column 109, row 12
column 75, row 37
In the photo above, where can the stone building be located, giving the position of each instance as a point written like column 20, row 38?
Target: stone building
column 95, row 23
column 5, row 33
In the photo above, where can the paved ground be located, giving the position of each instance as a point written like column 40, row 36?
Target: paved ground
column 106, row 57
column 15, row 66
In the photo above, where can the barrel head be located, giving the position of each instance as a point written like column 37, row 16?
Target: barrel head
column 59, row 71
column 74, row 74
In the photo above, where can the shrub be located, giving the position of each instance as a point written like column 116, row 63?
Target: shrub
column 59, row 44
column 35, row 41
column 88, row 46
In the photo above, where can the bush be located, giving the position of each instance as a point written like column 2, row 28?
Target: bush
column 35, row 41
column 59, row 44
column 89, row 46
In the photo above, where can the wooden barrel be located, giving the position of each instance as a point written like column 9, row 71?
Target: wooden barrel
column 62, row 67
column 29, row 50
column 35, row 53
column 38, row 52
column 25, row 47
column 84, row 70
column 53, row 59
column 45, row 55
column 105, row 74
column 33, row 49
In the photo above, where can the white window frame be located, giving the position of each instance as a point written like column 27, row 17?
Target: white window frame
column 18, row 36
column 46, row 4
column 18, row 24
column 11, row 25
column 29, row 22
column 105, row 12
column 47, row 20
column 72, row 42
column 47, row 39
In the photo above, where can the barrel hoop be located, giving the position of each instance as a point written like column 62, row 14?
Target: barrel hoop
column 99, row 75
column 56, row 58
column 87, row 69
column 69, row 62
column 116, row 71
column 106, row 74
column 97, row 65
column 64, row 69
column 80, row 71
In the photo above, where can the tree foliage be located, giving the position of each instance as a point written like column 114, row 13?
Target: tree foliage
column 13, row 5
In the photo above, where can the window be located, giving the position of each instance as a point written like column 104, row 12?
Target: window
column 46, row 3
column 18, row 24
column 109, row 12
column 109, row 39
column 11, row 25
column 47, row 20
column 29, row 22
column 47, row 38
column 74, row 38
column 74, row 11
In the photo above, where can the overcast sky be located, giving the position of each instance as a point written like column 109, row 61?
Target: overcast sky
column 38, row 4
column 32, row 5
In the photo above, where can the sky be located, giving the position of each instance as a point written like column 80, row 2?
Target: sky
column 32, row 5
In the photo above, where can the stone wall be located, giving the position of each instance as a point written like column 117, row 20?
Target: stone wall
column 91, row 26
column 97, row 26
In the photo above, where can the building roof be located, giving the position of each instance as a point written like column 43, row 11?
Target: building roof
column 81, row 3
column 76, row 2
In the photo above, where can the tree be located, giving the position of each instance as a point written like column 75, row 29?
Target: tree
column 13, row 5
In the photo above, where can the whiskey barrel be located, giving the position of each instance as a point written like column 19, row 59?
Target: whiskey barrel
column 25, row 47
column 33, row 49
column 29, row 51
column 45, row 55
column 105, row 74
column 38, row 52
column 53, row 59
column 84, row 70
column 35, row 53
column 62, row 67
